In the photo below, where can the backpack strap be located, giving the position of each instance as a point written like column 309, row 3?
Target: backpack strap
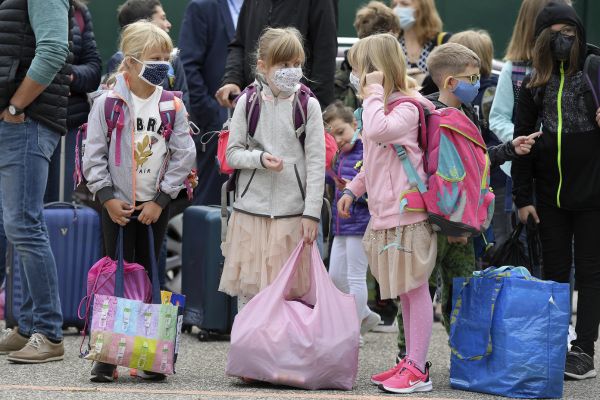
column 591, row 72
column 168, row 110
column 441, row 38
column 114, row 116
column 252, row 107
column 413, row 177
column 300, row 106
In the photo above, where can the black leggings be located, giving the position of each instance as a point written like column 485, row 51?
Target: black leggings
column 135, row 241
column 558, row 229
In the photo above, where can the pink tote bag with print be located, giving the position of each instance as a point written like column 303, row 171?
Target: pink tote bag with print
column 309, row 342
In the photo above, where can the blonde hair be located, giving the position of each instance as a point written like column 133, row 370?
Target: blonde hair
column 278, row 45
column 376, row 17
column 522, row 41
column 481, row 43
column 382, row 52
column 139, row 38
column 427, row 20
column 450, row 59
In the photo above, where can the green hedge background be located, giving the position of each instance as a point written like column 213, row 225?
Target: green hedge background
column 496, row 16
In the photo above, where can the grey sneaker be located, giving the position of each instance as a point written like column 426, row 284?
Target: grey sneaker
column 11, row 340
column 579, row 365
column 38, row 350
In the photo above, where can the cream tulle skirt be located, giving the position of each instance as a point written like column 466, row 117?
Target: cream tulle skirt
column 402, row 258
column 255, row 250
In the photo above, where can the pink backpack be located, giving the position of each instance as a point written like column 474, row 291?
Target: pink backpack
column 457, row 194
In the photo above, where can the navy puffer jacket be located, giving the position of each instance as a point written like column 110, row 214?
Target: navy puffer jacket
column 87, row 67
column 347, row 167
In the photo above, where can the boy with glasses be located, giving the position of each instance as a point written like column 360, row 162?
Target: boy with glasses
column 455, row 69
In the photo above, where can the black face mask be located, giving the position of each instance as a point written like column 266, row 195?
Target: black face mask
column 561, row 46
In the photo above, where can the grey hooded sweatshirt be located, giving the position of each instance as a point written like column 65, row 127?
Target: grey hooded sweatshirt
column 106, row 180
column 298, row 189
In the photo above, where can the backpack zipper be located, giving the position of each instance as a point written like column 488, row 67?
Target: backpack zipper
column 560, row 127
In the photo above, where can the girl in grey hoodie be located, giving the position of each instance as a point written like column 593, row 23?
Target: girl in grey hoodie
column 280, row 182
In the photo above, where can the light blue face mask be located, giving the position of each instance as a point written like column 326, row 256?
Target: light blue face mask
column 466, row 92
column 406, row 16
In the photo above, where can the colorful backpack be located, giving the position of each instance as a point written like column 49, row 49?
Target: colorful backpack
column 457, row 193
column 114, row 116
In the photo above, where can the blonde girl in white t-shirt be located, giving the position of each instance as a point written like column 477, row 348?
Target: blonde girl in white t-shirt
column 140, row 165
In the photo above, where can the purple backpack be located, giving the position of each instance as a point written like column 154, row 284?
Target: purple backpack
column 300, row 106
column 114, row 116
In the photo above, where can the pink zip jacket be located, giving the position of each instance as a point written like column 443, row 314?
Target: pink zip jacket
column 383, row 176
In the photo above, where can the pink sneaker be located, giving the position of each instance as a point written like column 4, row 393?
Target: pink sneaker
column 381, row 377
column 408, row 380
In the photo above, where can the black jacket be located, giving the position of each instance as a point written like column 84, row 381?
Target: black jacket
column 87, row 68
column 16, row 53
column 564, row 164
column 316, row 21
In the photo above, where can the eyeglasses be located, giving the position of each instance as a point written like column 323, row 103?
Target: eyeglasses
column 473, row 79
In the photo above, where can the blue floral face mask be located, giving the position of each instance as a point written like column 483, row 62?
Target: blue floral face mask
column 153, row 72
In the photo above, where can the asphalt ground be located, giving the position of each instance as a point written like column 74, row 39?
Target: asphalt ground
column 200, row 375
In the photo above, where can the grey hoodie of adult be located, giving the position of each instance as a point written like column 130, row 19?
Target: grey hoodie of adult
column 298, row 189
column 106, row 180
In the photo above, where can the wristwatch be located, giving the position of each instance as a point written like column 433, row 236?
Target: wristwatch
column 14, row 111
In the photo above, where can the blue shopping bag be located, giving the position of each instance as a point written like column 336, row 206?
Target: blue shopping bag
column 508, row 334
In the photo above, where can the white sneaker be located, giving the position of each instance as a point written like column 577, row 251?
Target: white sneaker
column 361, row 341
column 382, row 328
column 371, row 321
column 572, row 336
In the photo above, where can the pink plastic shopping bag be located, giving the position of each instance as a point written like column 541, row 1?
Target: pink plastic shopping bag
column 309, row 342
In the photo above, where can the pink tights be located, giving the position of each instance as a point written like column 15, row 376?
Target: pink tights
column 417, row 315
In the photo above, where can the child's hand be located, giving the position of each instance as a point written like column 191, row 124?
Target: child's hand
column 457, row 240
column 310, row 229
column 344, row 205
column 523, row 144
column 119, row 211
column 150, row 212
column 272, row 162
column 375, row 77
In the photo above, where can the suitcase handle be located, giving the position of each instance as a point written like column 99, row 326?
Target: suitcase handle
column 64, row 204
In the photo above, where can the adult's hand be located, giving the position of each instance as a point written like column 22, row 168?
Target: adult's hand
column 525, row 212
column 225, row 92
column 12, row 119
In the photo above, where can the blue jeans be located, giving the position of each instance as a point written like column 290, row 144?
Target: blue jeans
column 24, row 158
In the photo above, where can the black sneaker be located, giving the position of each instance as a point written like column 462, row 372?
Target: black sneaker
column 151, row 376
column 579, row 365
column 103, row 373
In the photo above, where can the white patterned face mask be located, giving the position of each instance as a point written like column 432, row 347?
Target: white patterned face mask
column 354, row 81
column 286, row 79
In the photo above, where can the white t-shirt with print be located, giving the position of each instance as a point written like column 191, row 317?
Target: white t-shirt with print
column 150, row 145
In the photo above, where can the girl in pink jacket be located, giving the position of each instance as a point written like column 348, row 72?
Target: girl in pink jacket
column 401, row 245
